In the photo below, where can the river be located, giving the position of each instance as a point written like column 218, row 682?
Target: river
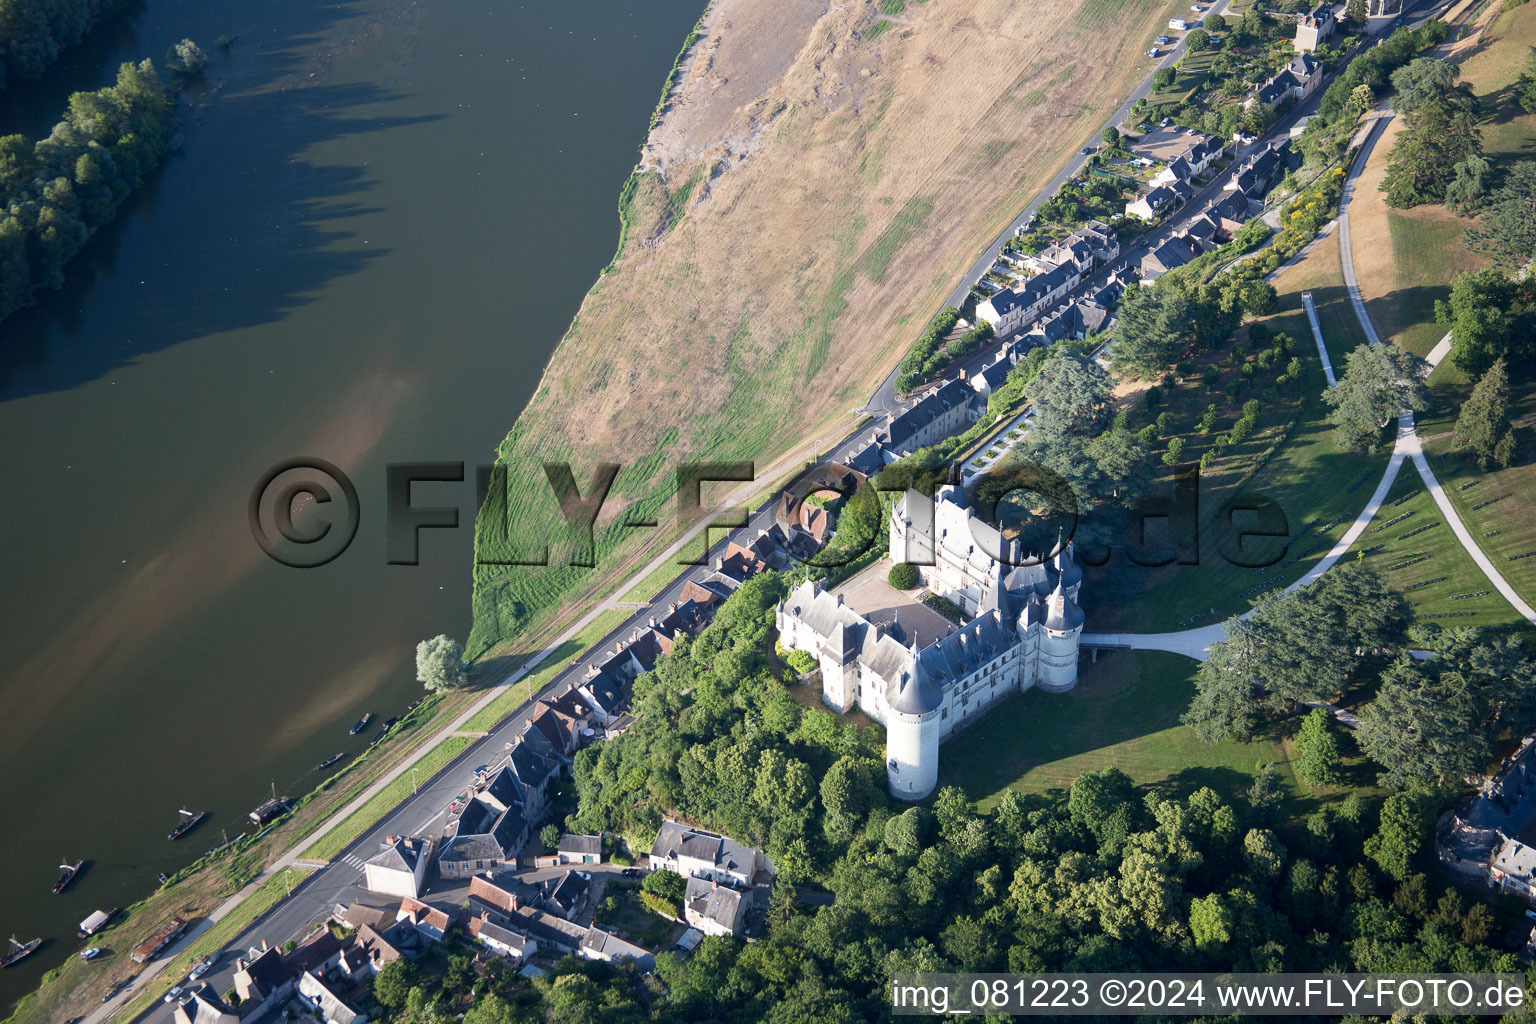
column 381, row 219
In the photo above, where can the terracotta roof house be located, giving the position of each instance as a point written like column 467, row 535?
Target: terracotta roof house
column 427, row 920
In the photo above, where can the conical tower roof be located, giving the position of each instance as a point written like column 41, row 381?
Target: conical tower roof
column 914, row 692
column 1063, row 614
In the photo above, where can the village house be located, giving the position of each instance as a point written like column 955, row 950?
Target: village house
column 566, row 895
column 580, row 849
column 400, row 866
column 1315, row 28
column 202, row 1006
column 1294, row 83
column 694, row 853
column 262, row 981
column 1154, row 202
column 502, row 941
column 1174, row 252
column 943, row 410
column 600, row 944
column 322, row 1000
column 429, row 921
column 712, row 908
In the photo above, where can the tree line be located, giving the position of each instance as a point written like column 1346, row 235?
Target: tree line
column 33, row 32
column 1431, row 721
column 58, row 190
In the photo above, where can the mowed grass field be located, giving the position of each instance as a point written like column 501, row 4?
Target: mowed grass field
column 1124, row 712
column 1412, row 546
column 1319, row 489
column 1405, row 260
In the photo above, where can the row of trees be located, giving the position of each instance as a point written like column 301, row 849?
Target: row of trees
column 59, row 190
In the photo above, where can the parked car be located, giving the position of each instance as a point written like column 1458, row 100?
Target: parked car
column 1088, row 151
column 198, row 971
column 175, row 991
column 630, row 872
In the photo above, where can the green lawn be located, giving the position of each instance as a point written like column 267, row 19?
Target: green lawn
column 1124, row 712
column 1319, row 489
column 1496, row 505
column 1190, row 74
column 1420, row 556
column 365, row 817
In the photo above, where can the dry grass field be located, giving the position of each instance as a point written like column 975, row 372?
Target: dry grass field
column 782, row 251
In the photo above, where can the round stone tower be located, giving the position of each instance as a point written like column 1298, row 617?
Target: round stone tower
column 912, row 732
column 1059, row 639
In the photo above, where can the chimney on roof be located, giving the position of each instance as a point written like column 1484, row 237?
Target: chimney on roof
column 652, row 621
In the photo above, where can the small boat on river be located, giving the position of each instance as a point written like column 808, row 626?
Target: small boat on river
column 70, row 871
column 362, row 723
column 334, row 758
column 189, row 821
column 19, row 951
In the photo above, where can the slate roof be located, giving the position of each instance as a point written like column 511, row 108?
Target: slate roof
column 202, row 1006
column 484, row 930
column 403, row 853
column 268, row 972
column 604, row 944
column 933, row 405
column 715, row 902
column 580, row 844
column 313, row 953
column 566, row 893
column 914, row 692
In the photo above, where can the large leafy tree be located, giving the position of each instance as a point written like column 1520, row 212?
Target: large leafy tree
column 1490, row 317
column 1379, row 382
column 1070, row 395
column 1507, row 230
column 1426, row 80
column 1317, row 749
column 1436, row 136
column 1435, row 721
column 1152, row 333
column 1483, row 422
column 440, row 663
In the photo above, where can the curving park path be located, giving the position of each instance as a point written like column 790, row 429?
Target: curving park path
column 1196, row 643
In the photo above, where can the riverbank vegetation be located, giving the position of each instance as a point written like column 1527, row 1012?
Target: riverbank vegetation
column 33, row 32
column 57, row 191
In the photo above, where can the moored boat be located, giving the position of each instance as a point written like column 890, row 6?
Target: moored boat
column 323, row 765
column 96, row 922
column 19, row 951
column 383, row 731
column 190, row 820
column 362, row 723
column 70, row 871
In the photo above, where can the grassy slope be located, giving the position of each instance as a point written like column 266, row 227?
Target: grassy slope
column 1408, row 259
column 755, row 319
